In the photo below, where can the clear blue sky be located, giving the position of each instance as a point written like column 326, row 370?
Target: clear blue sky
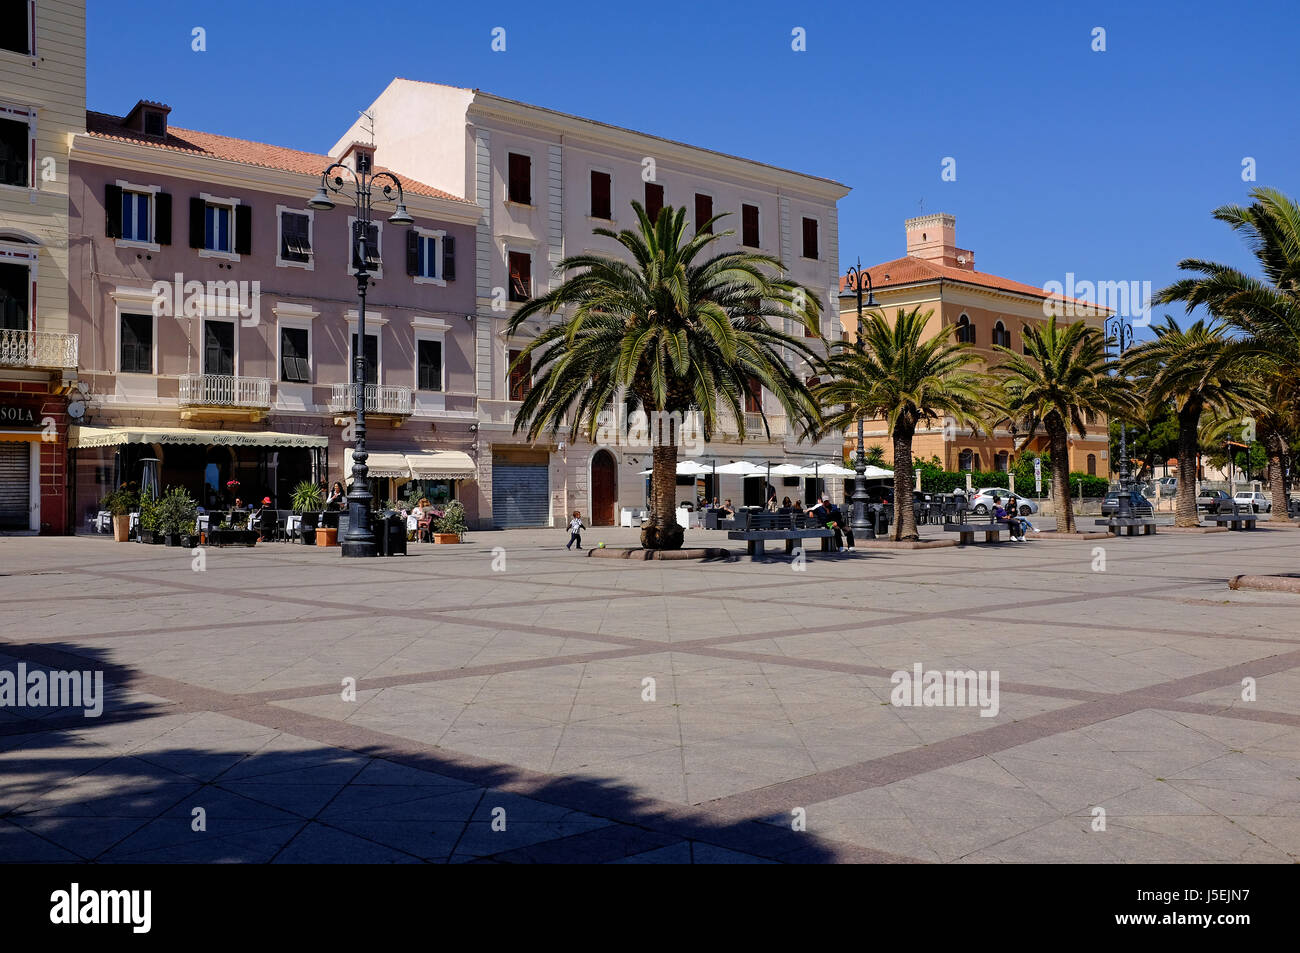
column 1106, row 164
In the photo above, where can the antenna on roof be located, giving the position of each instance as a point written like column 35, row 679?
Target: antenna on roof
column 921, row 204
column 368, row 124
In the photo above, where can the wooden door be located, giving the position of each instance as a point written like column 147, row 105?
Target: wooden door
column 604, row 487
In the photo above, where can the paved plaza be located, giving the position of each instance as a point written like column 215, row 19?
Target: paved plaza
column 503, row 708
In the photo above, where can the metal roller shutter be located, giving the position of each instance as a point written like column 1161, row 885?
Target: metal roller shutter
column 15, row 486
column 520, row 495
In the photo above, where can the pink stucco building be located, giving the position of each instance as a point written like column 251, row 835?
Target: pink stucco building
column 217, row 317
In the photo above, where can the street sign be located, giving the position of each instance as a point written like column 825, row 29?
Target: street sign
column 1038, row 475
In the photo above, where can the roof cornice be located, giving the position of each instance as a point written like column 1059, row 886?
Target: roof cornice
column 138, row 157
column 487, row 106
column 1092, row 310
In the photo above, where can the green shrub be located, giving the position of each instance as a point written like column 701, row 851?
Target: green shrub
column 453, row 519
column 121, row 501
column 176, row 511
column 307, row 497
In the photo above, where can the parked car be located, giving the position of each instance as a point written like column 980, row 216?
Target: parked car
column 1138, row 504
column 1168, row 486
column 1214, row 501
column 981, row 501
column 1258, row 502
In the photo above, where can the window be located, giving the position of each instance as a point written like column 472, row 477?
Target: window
column 221, row 227
column 155, row 123
column 810, row 238
column 965, row 460
column 136, row 344
column 1092, row 464
column 601, row 192
column 135, row 216
column 753, row 396
column 521, row 276
column 1002, row 461
column 654, row 200
column 15, row 297
column 295, row 350
column 373, row 244
column 703, row 212
column 521, row 376
column 295, row 237
column 965, row 330
column 219, row 347
column 16, row 26
column 430, row 256
column 16, row 146
column 521, row 178
column 428, row 365
column 1090, row 416
column 1001, row 336
column 749, row 226
column 139, row 214
column 371, row 372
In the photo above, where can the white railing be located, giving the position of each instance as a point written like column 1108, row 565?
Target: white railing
column 754, row 428
column 37, row 349
column 224, row 390
column 380, row 399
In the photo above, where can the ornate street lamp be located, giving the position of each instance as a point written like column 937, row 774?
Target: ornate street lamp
column 359, row 185
column 1119, row 327
column 861, row 525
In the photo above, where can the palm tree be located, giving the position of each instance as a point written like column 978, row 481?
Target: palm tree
column 1062, row 376
column 1268, row 310
column 681, row 328
column 895, row 375
column 1196, row 369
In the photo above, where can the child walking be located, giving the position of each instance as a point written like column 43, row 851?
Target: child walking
column 575, row 530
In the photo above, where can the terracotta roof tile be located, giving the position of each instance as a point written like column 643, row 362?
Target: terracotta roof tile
column 105, row 126
column 910, row 270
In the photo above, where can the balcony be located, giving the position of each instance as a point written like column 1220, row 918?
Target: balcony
column 754, row 427
column 206, row 394
column 382, row 400
column 41, row 349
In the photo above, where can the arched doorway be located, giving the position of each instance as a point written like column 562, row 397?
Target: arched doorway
column 604, row 487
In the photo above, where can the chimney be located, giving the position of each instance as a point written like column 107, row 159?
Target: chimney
column 359, row 156
column 934, row 238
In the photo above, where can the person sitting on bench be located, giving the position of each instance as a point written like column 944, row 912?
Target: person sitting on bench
column 1000, row 515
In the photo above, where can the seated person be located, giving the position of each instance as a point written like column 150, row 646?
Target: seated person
column 336, row 499
column 1012, row 523
column 787, row 507
column 727, row 509
column 423, row 513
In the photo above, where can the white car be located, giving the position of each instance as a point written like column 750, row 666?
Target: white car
column 1258, row 502
column 981, row 501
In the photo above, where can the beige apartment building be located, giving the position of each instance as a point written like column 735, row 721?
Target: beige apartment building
column 935, row 275
column 42, row 107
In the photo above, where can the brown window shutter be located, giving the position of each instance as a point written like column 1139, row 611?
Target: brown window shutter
column 162, row 211
column 703, row 212
column 601, row 206
column 654, row 200
column 448, row 258
column 112, row 211
column 243, row 230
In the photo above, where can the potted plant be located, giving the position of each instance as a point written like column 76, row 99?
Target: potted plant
column 147, row 530
column 450, row 528
column 307, row 501
column 176, row 514
column 119, row 503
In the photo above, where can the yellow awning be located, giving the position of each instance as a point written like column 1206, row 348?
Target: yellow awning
column 88, row 437
column 441, row 465
column 379, row 464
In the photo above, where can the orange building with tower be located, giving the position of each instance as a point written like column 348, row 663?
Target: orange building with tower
column 937, row 276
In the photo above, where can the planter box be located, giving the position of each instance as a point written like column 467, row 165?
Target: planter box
column 149, row 537
column 446, row 538
column 232, row 537
column 327, row 536
column 121, row 528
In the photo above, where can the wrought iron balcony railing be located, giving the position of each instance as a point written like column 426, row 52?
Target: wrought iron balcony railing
column 388, row 399
column 50, row 349
column 225, row 390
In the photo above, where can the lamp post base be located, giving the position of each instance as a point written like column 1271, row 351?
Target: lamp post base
column 351, row 548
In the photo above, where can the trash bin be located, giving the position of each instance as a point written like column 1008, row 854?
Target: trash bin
column 390, row 534
column 880, row 518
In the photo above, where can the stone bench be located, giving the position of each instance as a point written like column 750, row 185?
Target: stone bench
column 756, row 539
column 966, row 531
column 1129, row 524
column 1237, row 520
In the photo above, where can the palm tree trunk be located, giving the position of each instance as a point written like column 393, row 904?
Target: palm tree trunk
column 1060, row 450
column 1189, row 423
column 904, row 514
column 1275, row 444
column 663, row 531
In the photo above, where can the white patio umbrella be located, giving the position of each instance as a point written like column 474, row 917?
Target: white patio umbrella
column 684, row 468
column 830, row 469
column 741, row 467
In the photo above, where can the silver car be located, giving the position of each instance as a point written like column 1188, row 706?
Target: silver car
column 1258, row 502
column 981, row 501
